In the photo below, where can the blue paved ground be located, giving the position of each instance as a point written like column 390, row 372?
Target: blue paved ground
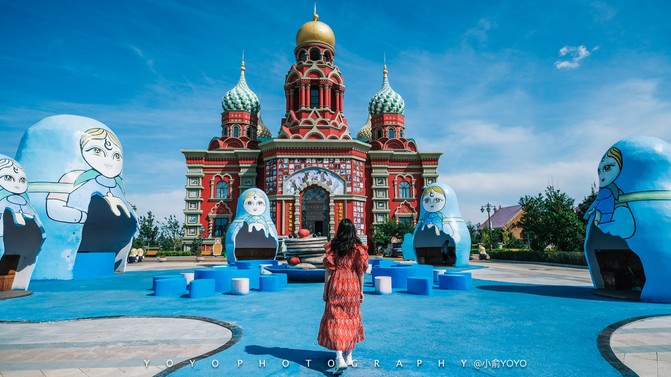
column 553, row 330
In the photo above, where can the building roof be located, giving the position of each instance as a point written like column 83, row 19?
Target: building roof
column 502, row 217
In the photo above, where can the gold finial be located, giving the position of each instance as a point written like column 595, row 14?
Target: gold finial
column 242, row 67
column 384, row 70
column 315, row 16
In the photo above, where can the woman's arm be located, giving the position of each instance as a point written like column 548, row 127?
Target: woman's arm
column 327, row 281
column 361, row 286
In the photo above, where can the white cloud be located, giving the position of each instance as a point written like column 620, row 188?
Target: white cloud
column 575, row 55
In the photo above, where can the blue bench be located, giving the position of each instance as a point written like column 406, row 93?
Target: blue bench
column 400, row 272
column 174, row 286
column 272, row 283
column 222, row 276
column 201, row 288
column 380, row 262
column 253, row 269
column 161, row 277
column 455, row 280
column 420, row 285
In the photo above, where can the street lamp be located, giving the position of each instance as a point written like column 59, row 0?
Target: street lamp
column 199, row 240
column 489, row 208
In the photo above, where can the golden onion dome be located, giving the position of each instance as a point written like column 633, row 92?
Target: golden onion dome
column 315, row 31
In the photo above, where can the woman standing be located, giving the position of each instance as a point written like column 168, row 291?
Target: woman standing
column 346, row 261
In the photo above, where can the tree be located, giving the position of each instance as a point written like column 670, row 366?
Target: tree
column 171, row 234
column 384, row 232
column 550, row 221
column 584, row 205
column 149, row 231
column 474, row 232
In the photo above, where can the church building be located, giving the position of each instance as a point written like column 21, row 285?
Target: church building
column 314, row 170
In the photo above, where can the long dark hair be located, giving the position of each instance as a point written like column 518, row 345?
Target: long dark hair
column 345, row 239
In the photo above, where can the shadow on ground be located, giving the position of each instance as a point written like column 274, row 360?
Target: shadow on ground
column 318, row 359
column 582, row 293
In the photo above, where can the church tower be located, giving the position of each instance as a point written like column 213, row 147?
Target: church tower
column 314, row 88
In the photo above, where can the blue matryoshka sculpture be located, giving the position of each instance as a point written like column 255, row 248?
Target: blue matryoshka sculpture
column 252, row 235
column 440, row 222
column 627, row 243
column 21, row 232
column 75, row 166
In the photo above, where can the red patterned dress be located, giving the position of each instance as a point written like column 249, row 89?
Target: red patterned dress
column 341, row 327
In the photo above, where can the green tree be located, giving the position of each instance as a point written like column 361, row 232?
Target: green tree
column 171, row 233
column 474, row 232
column 384, row 232
column 149, row 231
column 584, row 205
column 550, row 221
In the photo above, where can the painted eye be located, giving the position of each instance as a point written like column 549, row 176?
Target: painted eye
column 8, row 178
column 117, row 156
column 607, row 168
column 22, row 180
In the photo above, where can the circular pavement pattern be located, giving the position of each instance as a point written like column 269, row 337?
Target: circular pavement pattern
column 135, row 346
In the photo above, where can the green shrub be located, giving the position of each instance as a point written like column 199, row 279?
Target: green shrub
column 561, row 257
column 174, row 253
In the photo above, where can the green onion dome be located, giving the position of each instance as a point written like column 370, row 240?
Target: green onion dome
column 386, row 100
column 241, row 98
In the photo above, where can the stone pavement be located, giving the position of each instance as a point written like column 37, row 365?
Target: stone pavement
column 128, row 346
column 645, row 346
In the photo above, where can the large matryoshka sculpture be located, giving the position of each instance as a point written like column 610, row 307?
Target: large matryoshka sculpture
column 628, row 244
column 441, row 228
column 21, row 232
column 252, row 235
column 75, row 166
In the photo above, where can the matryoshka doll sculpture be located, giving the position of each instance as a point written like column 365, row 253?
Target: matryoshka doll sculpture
column 75, row 165
column 441, row 235
column 252, row 235
column 21, row 232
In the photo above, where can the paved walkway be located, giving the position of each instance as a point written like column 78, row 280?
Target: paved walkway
column 645, row 346
column 129, row 346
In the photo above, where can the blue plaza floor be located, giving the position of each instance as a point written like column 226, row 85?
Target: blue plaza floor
column 536, row 330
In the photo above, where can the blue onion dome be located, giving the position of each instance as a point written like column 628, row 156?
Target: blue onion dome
column 386, row 100
column 241, row 98
column 365, row 132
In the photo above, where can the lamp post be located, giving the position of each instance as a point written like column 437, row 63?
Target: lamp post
column 488, row 208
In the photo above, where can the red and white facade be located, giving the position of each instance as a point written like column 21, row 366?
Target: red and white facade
column 314, row 172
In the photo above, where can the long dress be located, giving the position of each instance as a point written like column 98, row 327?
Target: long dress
column 341, row 327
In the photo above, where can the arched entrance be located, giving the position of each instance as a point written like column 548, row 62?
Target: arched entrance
column 315, row 210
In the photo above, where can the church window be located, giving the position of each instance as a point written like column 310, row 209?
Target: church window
column 327, row 56
column 236, row 131
column 222, row 190
column 220, row 226
column 314, row 96
column 225, row 132
column 392, row 133
column 249, row 132
column 379, row 134
column 405, row 220
column 404, row 190
column 315, row 54
column 302, row 56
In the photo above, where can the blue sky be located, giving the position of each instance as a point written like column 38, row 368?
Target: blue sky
column 516, row 94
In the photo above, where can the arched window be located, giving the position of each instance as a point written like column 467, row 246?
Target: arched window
column 236, row 131
column 315, row 54
column 379, row 134
column 327, row 56
column 392, row 133
column 222, row 190
column 249, row 132
column 400, row 133
column 302, row 56
column 404, row 190
column 220, row 226
column 224, row 132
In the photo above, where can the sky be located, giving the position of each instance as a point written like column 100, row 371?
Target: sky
column 517, row 95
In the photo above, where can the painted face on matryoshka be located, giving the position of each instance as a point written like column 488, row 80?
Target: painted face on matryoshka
column 610, row 167
column 254, row 204
column 12, row 177
column 433, row 199
column 102, row 151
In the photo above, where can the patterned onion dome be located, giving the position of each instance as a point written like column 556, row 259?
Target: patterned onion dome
column 386, row 100
column 241, row 98
column 262, row 130
column 315, row 31
column 365, row 131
